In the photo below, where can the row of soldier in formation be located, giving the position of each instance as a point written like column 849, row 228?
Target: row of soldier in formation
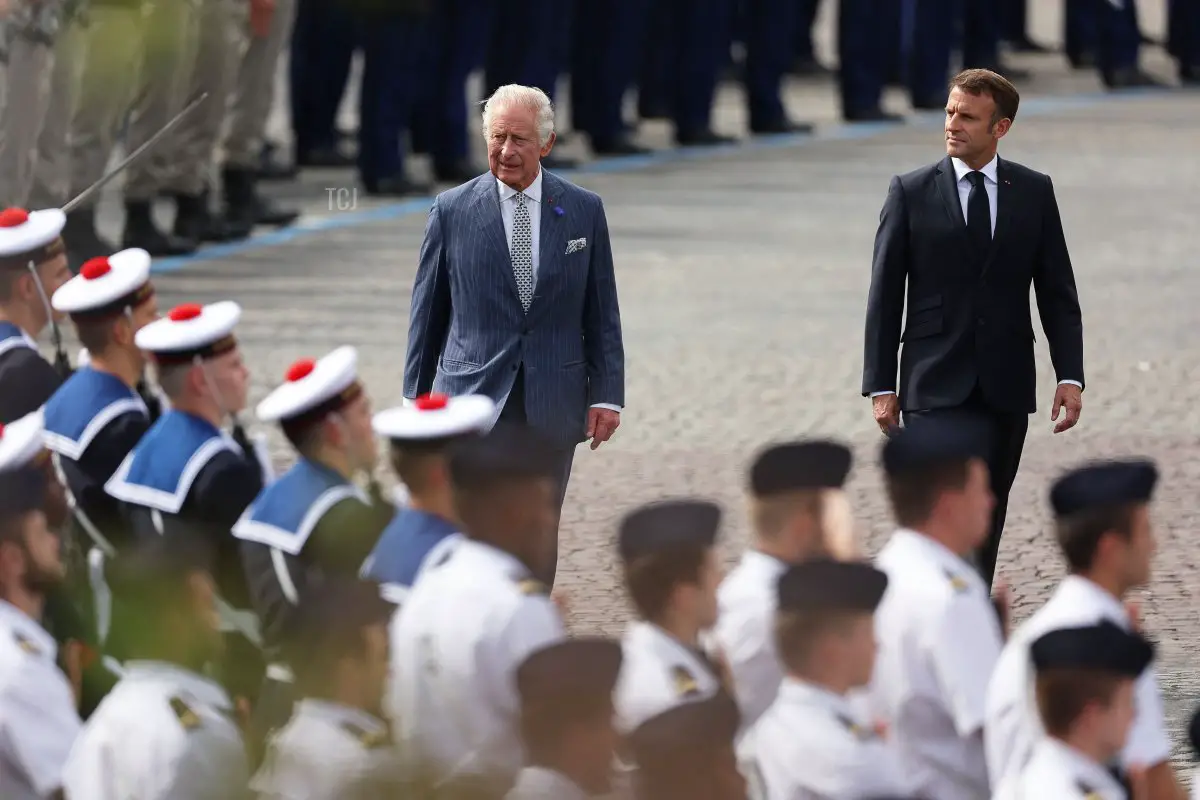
column 176, row 622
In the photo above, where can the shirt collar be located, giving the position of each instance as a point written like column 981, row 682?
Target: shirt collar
column 26, row 627
column 796, row 690
column 961, row 170
column 1091, row 595
column 762, row 562
column 931, row 548
column 533, row 191
column 339, row 713
column 203, row 689
column 1082, row 767
column 494, row 558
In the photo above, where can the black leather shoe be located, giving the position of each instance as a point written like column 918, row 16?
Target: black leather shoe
column 619, row 146
column 872, row 115
column 781, row 126
column 399, row 186
column 244, row 207
column 141, row 231
column 195, row 220
column 458, row 172
column 324, row 158
column 1132, row 78
column 705, row 137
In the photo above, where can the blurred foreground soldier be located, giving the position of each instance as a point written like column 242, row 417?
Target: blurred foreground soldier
column 1085, row 688
column 1102, row 521
column 420, row 436
column 939, row 635
column 810, row 742
column 187, row 475
column 668, row 550
column 474, row 618
column 33, row 264
column 337, row 642
column 1194, row 741
column 567, row 720
column 795, row 496
column 166, row 730
column 687, row 753
column 315, row 521
column 38, row 721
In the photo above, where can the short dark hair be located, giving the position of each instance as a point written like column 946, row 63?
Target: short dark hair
column 797, row 632
column 1063, row 694
column 999, row 88
column 914, row 493
column 652, row 578
column 1079, row 534
column 13, row 267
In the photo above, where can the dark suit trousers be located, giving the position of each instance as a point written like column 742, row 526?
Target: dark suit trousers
column 1004, row 435
column 514, row 412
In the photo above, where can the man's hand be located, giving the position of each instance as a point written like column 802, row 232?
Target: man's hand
column 261, row 13
column 602, row 424
column 1070, row 397
column 887, row 411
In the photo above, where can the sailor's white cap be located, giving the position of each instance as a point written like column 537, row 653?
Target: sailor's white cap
column 190, row 331
column 436, row 416
column 311, row 386
column 23, row 231
column 108, row 284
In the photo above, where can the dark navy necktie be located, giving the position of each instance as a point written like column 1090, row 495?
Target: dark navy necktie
column 979, row 213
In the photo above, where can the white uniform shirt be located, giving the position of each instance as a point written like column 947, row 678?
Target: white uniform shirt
column 456, row 644
column 810, row 745
column 539, row 783
column 658, row 672
column 1013, row 726
column 323, row 751
column 745, row 632
column 939, row 638
column 38, row 721
column 163, row 733
column 1058, row 772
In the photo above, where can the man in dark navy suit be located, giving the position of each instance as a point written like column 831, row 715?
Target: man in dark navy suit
column 515, row 296
column 968, row 235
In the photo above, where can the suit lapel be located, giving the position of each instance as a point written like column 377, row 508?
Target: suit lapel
column 550, row 239
column 947, row 188
column 491, row 227
column 1004, row 209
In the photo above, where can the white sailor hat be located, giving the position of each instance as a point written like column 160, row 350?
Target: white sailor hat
column 21, row 441
column 107, row 285
column 313, row 389
column 191, row 331
column 23, row 232
column 436, row 416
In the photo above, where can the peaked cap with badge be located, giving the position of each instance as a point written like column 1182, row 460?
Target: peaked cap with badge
column 668, row 525
column 1104, row 484
column 1105, row 647
column 799, row 466
column 825, row 584
column 563, row 677
column 313, row 389
column 190, row 332
column 434, row 418
column 931, row 443
column 508, row 452
column 106, row 286
column 24, row 233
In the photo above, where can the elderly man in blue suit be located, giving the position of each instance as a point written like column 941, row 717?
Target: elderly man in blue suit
column 515, row 295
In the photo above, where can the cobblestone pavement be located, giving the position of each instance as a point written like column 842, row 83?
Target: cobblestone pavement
column 743, row 278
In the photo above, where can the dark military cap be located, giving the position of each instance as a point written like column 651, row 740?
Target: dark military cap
column 566, row 673
column 506, row 453
column 826, row 585
column 688, row 729
column 1104, row 484
column 331, row 616
column 795, row 466
column 930, row 443
column 667, row 525
column 21, row 491
column 1105, row 646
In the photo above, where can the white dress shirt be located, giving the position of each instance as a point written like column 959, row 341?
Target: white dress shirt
column 1059, row 772
column 991, row 186
column 939, row 638
column 455, row 648
column 1013, row 726
column 658, row 672
column 38, row 721
column 745, row 632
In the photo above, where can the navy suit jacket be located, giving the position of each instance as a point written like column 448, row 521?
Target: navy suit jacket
column 467, row 331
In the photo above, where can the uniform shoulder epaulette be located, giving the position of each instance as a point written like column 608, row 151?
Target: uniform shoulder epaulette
column 26, row 644
column 369, row 739
column 532, row 586
column 957, row 582
column 685, row 681
column 188, row 718
column 857, row 730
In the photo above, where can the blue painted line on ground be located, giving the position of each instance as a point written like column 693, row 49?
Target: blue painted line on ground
column 849, row 132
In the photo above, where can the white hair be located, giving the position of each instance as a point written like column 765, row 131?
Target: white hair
column 528, row 97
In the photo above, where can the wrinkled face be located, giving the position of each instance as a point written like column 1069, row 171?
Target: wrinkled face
column 514, row 150
column 232, row 380
column 970, row 134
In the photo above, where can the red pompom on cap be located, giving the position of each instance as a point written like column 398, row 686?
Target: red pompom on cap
column 95, row 268
column 12, row 217
column 185, row 312
column 1, row 430
column 431, row 402
column 300, row 370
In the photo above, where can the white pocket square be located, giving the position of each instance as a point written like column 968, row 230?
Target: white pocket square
column 575, row 245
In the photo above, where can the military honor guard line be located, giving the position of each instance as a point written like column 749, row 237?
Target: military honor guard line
column 178, row 621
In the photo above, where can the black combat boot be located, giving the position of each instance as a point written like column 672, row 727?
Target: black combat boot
column 195, row 220
column 245, row 206
column 140, row 231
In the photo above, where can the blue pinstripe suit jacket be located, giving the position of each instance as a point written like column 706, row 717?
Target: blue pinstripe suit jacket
column 467, row 332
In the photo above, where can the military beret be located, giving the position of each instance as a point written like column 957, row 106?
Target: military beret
column 689, row 729
column 1105, row 646
column 667, row 525
column 335, row 611
column 827, row 585
column 21, row 491
column 794, row 466
column 928, row 443
column 508, row 452
column 569, row 672
column 1104, row 484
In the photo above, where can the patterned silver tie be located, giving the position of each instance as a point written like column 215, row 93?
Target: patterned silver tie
column 522, row 251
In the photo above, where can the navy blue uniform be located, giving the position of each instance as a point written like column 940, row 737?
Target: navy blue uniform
column 865, row 45
column 1184, row 32
column 1081, row 31
column 393, row 43
column 1120, row 38
column 685, row 52
column 981, row 29
column 930, row 33
column 322, row 47
column 607, row 43
column 770, row 35
column 187, row 477
column 411, row 539
column 529, row 48
column 26, row 379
